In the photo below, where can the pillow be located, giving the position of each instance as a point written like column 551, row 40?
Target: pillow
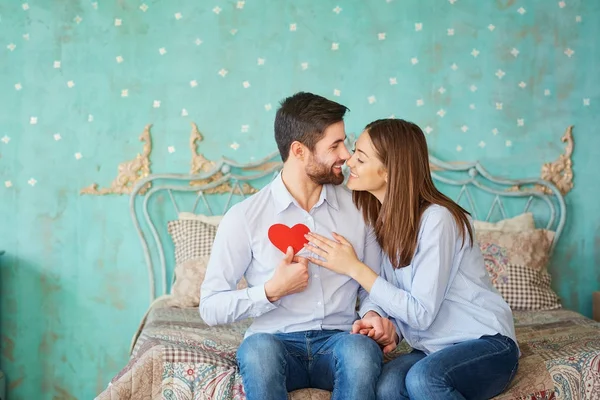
column 517, row 264
column 523, row 222
column 207, row 219
column 192, row 239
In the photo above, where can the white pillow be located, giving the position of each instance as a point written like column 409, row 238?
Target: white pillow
column 207, row 219
column 522, row 222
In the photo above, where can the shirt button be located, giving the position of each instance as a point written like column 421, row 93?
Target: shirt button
column 319, row 303
column 316, row 276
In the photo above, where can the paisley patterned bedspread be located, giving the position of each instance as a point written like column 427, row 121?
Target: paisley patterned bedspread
column 177, row 356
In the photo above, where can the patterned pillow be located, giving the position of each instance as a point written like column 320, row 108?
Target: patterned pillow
column 522, row 222
column 517, row 264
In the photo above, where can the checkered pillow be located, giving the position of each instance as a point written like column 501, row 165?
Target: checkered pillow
column 517, row 264
column 192, row 239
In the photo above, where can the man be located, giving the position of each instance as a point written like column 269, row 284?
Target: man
column 303, row 314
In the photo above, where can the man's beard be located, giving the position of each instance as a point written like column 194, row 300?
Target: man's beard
column 322, row 174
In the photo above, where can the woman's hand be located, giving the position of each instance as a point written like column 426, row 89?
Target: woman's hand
column 339, row 255
column 380, row 329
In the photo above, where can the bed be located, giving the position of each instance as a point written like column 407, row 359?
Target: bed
column 175, row 355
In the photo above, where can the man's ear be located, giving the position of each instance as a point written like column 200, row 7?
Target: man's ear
column 297, row 150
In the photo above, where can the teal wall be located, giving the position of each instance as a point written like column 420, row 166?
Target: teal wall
column 73, row 282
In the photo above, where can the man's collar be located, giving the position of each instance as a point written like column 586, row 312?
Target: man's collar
column 283, row 197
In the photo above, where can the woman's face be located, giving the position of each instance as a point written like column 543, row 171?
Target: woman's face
column 367, row 172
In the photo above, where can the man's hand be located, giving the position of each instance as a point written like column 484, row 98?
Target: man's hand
column 380, row 329
column 291, row 276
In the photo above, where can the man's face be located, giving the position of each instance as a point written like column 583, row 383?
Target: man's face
column 324, row 164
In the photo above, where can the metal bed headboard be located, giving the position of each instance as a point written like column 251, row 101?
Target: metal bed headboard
column 467, row 183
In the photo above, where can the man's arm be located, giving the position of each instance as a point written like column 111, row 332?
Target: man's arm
column 220, row 302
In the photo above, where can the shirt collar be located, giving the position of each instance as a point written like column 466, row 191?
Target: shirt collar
column 283, row 198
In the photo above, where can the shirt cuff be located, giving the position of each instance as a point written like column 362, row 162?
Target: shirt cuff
column 370, row 306
column 260, row 302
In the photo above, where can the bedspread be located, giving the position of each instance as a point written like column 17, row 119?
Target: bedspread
column 177, row 356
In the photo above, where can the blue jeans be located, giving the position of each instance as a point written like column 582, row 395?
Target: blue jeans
column 272, row 365
column 475, row 369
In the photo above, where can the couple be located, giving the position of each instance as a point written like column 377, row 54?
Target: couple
column 396, row 243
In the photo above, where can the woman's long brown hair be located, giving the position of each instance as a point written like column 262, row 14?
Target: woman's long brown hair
column 402, row 148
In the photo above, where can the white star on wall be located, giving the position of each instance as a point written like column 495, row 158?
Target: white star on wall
column 233, row 31
column 235, row 145
column 26, row 36
column 586, row 102
column 459, row 148
column 90, row 118
column 454, row 67
column 217, row 10
column 240, row 4
column 562, row 4
column 8, row 184
column 32, row 182
column 78, row 156
column 5, row 139
column 442, row 90
column 144, row 7
column 124, row 92
column 381, row 36
column 335, row 46
column 178, row 16
column 260, row 61
column 514, row 52
column 337, row 92
column 18, row 86
column 70, row 84
column 569, row 52
column 171, row 149
column 118, row 22
column 11, row 47
column 473, row 88
column 495, row 131
column 193, row 83
column 414, row 60
column 475, row 53
column 472, row 106
column 500, row 74
column 508, row 143
column 184, row 112
column 428, row 129
column 371, row 99
column 420, row 102
column 268, row 107
column 33, row 120
column 522, row 85
column 418, row 26
column 393, row 81
column 245, row 128
column 25, row 6
column 452, row 1
column 119, row 59
column 441, row 113
column 223, row 72
column 198, row 41
column 78, row 19
column 95, row 5
column 547, row 92
column 520, row 122
column 162, row 51
column 498, row 106
column 246, row 84
column 521, row 11
column 156, row 104
column 304, row 65
column 57, row 137
column 293, row 27
column 491, row 27
column 578, row 18
column 56, row 64
column 451, row 32
column 337, row 9
column 464, row 128
column 482, row 144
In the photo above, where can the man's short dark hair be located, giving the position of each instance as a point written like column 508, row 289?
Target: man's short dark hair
column 304, row 117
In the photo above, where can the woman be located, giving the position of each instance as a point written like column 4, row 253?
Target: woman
column 434, row 285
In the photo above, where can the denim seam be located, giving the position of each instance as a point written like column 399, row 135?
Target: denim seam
column 505, row 350
column 511, row 376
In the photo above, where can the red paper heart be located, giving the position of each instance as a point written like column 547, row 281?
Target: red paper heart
column 282, row 236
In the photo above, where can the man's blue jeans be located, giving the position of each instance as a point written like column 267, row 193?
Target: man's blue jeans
column 475, row 369
column 347, row 364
